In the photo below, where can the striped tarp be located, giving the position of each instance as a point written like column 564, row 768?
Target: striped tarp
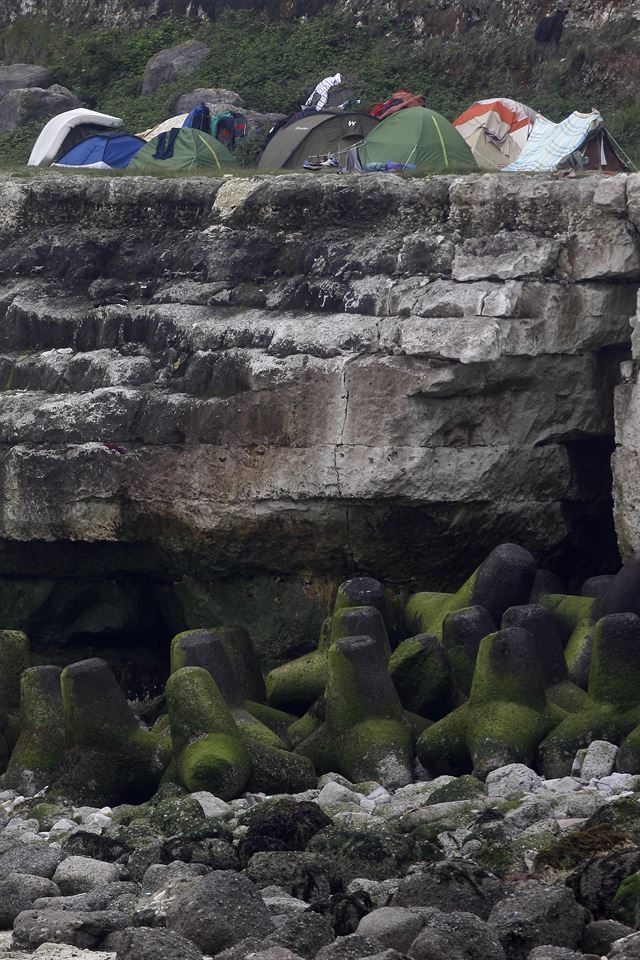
column 550, row 143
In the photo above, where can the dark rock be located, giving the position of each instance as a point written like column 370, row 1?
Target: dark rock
column 218, row 911
column 19, row 76
column 244, row 948
column 451, row 885
column 19, row 891
column 160, row 876
column 103, row 847
column 596, row 882
column 167, row 65
column 377, row 856
column 307, row 876
column 303, row 933
column 143, row 944
column 121, row 896
column 18, row 107
column 87, row 930
column 456, row 936
column 553, row 953
column 344, row 911
column 217, row 854
column 600, row 935
column 282, row 825
column 534, row 914
column 352, row 947
column 37, row 859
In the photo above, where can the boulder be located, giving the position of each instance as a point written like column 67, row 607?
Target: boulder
column 218, row 911
column 600, row 935
column 80, row 929
column 351, row 947
column 216, row 98
column 167, row 65
column 145, row 944
column 512, row 781
column 307, row 876
column 533, row 914
column 303, row 933
column 449, row 886
column 18, row 892
column 395, row 927
column 37, row 859
column 282, row 825
column 18, row 107
column 19, row 76
column 456, row 936
column 599, row 760
column 81, row 874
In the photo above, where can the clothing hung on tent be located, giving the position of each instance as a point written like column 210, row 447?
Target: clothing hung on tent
column 320, row 95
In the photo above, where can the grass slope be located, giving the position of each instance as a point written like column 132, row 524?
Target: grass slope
column 272, row 63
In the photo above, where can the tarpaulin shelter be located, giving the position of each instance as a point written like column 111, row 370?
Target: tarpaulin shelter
column 580, row 141
column 496, row 130
column 420, row 137
column 314, row 135
column 103, row 151
column 183, row 150
column 65, row 130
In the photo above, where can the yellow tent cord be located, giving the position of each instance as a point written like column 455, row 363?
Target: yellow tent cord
column 215, row 157
column 444, row 149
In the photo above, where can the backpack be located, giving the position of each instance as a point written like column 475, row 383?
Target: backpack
column 199, row 118
column 397, row 101
column 227, row 127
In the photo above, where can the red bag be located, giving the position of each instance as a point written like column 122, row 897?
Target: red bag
column 397, row 101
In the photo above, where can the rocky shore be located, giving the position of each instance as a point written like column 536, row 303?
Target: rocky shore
column 464, row 783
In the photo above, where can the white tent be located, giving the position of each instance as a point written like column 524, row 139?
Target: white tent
column 55, row 132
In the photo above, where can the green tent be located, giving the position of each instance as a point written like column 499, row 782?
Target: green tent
column 421, row 137
column 183, row 150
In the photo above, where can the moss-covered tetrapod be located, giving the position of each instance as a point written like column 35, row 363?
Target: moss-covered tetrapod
column 502, row 580
column 506, row 717
column 208, row 751
column 40, row 746
column 612, row 709
column 364, row 736
column 294, row 686
column 109, row 757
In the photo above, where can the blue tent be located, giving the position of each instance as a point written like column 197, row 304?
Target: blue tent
column 102, row 151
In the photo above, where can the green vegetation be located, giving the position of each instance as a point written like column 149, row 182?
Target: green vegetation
column 271, row 64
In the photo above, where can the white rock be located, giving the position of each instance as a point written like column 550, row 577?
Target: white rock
column 619, row 783
column 560, row 785
column 213, row 806
column 334, row 778
column 96, row 820
column 599, row 760
column 333, row 793
column 512, row 780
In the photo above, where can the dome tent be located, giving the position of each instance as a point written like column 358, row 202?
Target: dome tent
column 420, row 137
column 103, row 151
column 496, row 130
column 316, row 134
column 183, row 150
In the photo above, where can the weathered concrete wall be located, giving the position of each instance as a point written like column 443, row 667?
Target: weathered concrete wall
column 274, row 382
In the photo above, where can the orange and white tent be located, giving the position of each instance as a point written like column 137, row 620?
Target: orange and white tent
column 496, row 130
